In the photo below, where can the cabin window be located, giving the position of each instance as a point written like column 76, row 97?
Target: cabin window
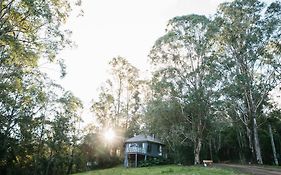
column 148, row 148
column 139, row 145
column 133, row 145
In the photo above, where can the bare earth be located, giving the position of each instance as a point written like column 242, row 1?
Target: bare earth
column 251, row 169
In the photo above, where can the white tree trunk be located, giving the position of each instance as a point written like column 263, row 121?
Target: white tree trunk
column 257, row 142
column 273, row 145
column 249, row 135
column 197, row 149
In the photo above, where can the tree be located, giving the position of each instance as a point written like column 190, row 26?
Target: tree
column 30, row 33
column 248, row 43
column 31, row 29
column 64, row 134
column 273, row 145
column 22, row 100
column 117, row 108
column 119, row 100
column 186, row 74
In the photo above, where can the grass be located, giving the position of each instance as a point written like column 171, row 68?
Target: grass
column 165, row 170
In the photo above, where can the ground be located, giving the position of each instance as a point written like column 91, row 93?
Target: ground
column 252, row 169
column 166, row 170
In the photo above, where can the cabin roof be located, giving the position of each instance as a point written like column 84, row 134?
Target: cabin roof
column 143, row 138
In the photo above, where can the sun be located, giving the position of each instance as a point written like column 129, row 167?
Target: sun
column 109, row 135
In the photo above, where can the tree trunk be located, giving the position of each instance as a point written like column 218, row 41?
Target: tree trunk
column 249, row 135
column 241, row 146
column 217, row 145
column 49, row 163
column 257, row 142
column 69, row 169
column 273, row 145
column 210, row 148
column 119, row 96
column 197, row 148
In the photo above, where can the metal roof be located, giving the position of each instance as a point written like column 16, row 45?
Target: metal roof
column 143, row 138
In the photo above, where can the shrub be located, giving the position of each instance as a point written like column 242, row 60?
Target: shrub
column 154, row 161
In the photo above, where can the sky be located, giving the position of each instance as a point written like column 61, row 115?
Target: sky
column 111, row 28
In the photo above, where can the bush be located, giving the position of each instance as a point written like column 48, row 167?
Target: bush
column 154, row 161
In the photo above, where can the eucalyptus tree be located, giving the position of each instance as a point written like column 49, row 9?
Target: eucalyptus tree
column 29, row 29
column 22, row 100
column 248, row 46
column 165, row 119
column 30, row 33
column 125, row 77
column 64, row 134
column 118, row 102
column 186, row 73
column 117, row 106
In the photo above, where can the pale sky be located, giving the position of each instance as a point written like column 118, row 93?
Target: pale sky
column 111, row 28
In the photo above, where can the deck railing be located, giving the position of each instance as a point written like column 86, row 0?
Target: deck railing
column 135, row 150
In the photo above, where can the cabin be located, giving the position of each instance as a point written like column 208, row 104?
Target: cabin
column 142, row 147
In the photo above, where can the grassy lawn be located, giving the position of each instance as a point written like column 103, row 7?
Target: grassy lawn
column 167, row 170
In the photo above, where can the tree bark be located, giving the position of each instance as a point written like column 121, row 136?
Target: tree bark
column 273, row 145
column 69, row 169
column 49, row 163
column 210, row 148
column 249, row 135
column 257, row 142
column 197, row 149
column 252, row 109
column 241, row 146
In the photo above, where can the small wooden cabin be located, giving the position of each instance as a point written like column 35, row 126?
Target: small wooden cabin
column 142, row 147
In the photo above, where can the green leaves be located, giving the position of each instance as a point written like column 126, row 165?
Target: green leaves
column 30, row 32
column 185, row 74
column 233, row 59
column 118, row 104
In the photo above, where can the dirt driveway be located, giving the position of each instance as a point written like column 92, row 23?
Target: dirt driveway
column 251, row 169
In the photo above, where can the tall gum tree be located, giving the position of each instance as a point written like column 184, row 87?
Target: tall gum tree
column 248, row 42
column 118, row 98
column 183, row 61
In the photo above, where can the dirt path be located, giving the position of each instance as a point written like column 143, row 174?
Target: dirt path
column 251, row 169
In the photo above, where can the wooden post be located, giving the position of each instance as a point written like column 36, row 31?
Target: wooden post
column 126, row 160
column 136, row 160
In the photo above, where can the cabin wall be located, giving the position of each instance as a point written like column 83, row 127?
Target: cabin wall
column 134, row 152
column 138, row 147
column 154, row 149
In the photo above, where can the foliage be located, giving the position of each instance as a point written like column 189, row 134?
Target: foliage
column 97, row 153
column 154, row 162
column 249, row 56
column 212, row 79
column 208, row 96
column 185, row 80
column 118, row 103
column 38, row 118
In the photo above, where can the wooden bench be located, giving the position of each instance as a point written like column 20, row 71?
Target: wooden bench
column 207, row 162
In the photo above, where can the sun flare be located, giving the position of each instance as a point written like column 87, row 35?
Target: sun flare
column 109, row 135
